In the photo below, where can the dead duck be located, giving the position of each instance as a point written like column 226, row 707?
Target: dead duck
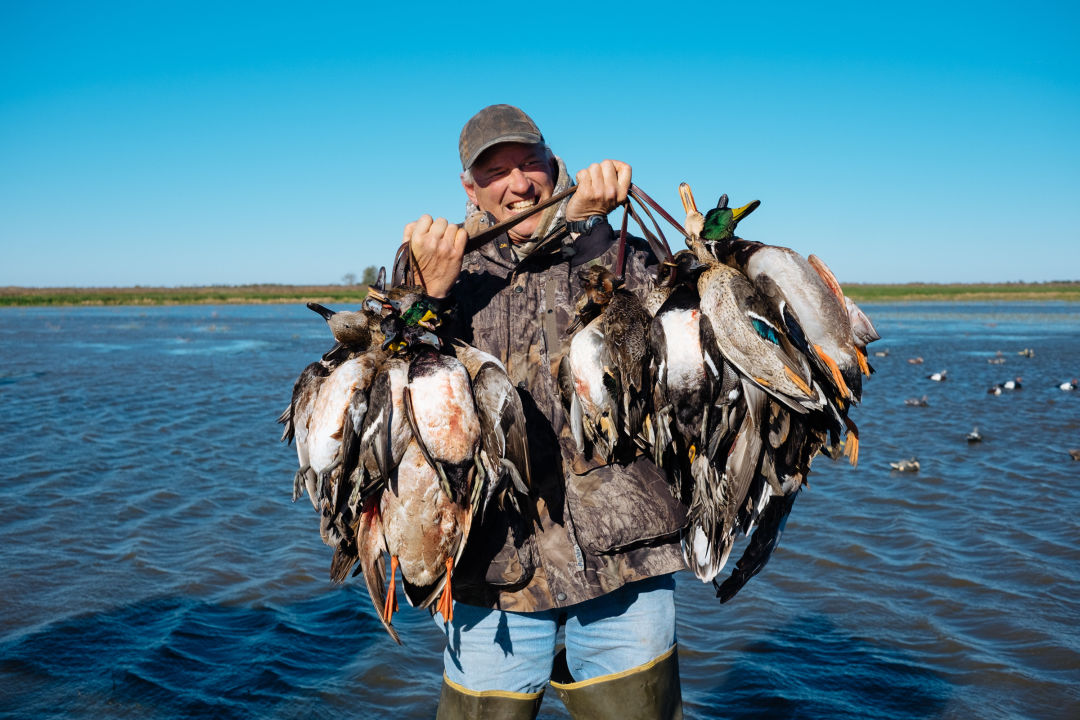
column 587, row 388
column 420, row 478
column 812, row 312
column 504, row 447
column 862, row 329
column 616, row 335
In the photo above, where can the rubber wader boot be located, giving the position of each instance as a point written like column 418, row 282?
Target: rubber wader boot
column 460, row 703
column 646, row 692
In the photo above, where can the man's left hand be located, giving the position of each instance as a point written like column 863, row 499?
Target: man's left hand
column 601, row 188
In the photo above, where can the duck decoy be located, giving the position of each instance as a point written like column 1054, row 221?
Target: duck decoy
column 915, row 360
column 974, row 436
column 1068, row 385
column 1075, row 454
column 1013, row 384
column 911, row 465
column 881, row 353
column 1026, row 352
column 995, row 389
column 938, row 376
column 917, row 402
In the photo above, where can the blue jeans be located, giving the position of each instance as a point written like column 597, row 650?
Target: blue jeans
column 513, row 652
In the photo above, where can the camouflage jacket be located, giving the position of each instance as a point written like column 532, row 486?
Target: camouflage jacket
column 590, row 527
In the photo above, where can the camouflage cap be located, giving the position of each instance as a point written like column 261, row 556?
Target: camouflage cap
column 493, row 125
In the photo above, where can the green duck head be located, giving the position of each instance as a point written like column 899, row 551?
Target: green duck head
column 720, row 222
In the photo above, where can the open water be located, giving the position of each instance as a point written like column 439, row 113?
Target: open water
column 153, row 565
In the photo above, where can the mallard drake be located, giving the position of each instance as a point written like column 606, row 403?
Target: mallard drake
column 814, row 316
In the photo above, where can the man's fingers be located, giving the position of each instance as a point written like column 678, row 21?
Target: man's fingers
column 460, row 238
column 407, row 236
column 625, row 177
column 610, row 181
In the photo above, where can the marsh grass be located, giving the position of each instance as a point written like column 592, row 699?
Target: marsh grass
column 252, row 294
column 213, row 294
column 973, row 292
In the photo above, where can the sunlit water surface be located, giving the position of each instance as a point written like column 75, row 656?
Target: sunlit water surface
column 155, row 567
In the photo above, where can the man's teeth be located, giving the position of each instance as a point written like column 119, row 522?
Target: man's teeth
column 522, row 204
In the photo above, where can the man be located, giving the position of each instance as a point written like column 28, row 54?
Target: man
column 594, row 550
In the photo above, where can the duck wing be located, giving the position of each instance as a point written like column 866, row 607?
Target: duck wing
column 798, row 290
column 752, row 341
column 504, row 440
column 295, row 418
column 625, row 328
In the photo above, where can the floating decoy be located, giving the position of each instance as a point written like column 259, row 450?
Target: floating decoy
column 1075, row 454
column 1013, row 384
column 1068, row 385
column 915, row 361
column 917, row 402
column 938, row 376
column 996, row 389
column 881, row 353
column 911, row 465
column 1027, row 352
column 974, row 436
column 998, row 359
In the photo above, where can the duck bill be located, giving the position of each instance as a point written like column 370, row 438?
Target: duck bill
column 739, row 213
column 687, row 198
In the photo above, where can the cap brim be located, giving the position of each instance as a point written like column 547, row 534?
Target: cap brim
column 526, row 138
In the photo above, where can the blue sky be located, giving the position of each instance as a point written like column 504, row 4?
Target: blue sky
column 185, row 143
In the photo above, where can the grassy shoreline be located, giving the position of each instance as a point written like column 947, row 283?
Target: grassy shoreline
column 351, row 294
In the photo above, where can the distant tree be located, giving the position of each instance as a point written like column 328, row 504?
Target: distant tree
column 371, row 275
column 348, row 279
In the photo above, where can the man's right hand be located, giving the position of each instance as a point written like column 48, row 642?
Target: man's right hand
column 437, row 247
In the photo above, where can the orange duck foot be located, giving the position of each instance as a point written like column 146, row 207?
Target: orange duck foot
column 446, row 600
column 391, row 592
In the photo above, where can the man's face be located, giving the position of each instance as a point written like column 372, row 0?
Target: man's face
column 510, row 178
